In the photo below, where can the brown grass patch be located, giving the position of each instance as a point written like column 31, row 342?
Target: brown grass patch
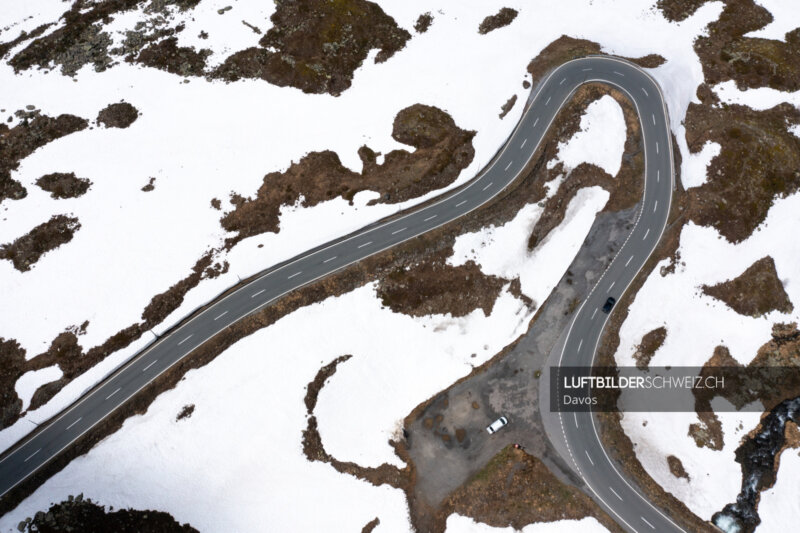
column 120, row 115
column 755, row 292
column 651, row 341
column 29, row 248
column 502, row 18
column 676, row 467
column 64, row 185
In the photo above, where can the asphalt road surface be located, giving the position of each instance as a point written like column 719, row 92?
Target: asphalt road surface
column 587, row 453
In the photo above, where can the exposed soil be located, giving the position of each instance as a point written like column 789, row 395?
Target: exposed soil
column 423, row 22
column 442, row 151
column 186, row 412
column 678, row 10
column 64, row 185
column 651, row 341
column 516, row 489
column 34, row 131
column 119, row 115
column 77, row 514
column 316, row 45
column 29, row 248
column 508, row 106
column 759, row 161
column 676, row 467
column 502, row 18
column 755, row 292
column 151, row 186
column 371, row 525
column 428, row 288
column 23, row 36
column 726, row 54
column 181, row 60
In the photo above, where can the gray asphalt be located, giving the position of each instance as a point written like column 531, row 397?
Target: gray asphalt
column 586, row 451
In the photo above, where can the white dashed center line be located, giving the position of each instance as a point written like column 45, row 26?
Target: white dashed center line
column 300, row 272
column 365, row 244
column 611, row 286
column 395, row 232
column 575, row 416
column 579, row 345
column 648, row 523
column 594, row 313
column 656, row 146
column 535, row 122
column 588, row 457
column 509, row 164
column 429, row 218
column 221, row 315
column 148, row 366
column 78, row 420
column 459, row 204
column 489, row 185
column 655, row 206
column 619, row 73
column 259, row 292
column 113, row 393
column 628, row 262
column 645, row 92
column 31, row 455
column 328, row 260
column 523, row 143
column 615, row 494
column 646, row 233
column 654, row 120
column 186, row 339
column 562, row 81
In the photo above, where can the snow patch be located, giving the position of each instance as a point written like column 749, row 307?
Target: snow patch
column 779, row 505
column 463, row 524
column 786, row 17
column 695, row 167
column 759, row 98
column 30, row 381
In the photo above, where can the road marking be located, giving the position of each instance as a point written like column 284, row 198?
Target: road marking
column 31, row 455
column 580, row 344
column 186, row 339
column 490, row 184
column 328, row 260
column 655, row 206
column 575, row 415
column 648, row 523
column 365, row 244
column 654, row 119
column 588, row 457
column 562, row 81
column 611, row 286
column 586, row 69
column 300, row 272
column 523, row 142
column 615, row 494
column 656, row 146
column 259, row 292
column 658, row 175
column 221, row 315
column 628, row 262
column 78, row 420
column 509, row 164
column 645, row 92
column 395, row 232
column 113, row 393
column 595, row 312
column 148, row 366
column 459, row 204
column 646, row 233
column 619, row 73
column 535, row 122
column 548, row 100
column 429, row 218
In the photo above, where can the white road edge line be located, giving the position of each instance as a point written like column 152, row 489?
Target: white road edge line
column 588, row 457
column 328, row 260
column 395, row 232
column 148, row 366
column 615, row 494
column 186, row 339
column 31, row 455
column 221, row 315
column 113, row 393
column 300, row 271
column 70, row 426
column 259, row 292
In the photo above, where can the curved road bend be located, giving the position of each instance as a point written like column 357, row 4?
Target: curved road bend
column 32, row 453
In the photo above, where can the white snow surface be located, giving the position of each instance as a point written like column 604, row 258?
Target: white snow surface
column 202, row 140
column 695, row 325
column 600, row 141
column 759, row 98
column 779, row 505
column 696, row 165
column 252, row 396
column 28, row 382
column 462, row 524
column 503, row 251
column 785, row 15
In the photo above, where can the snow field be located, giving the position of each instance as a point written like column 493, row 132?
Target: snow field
column 27, row 384
column 462, row 524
